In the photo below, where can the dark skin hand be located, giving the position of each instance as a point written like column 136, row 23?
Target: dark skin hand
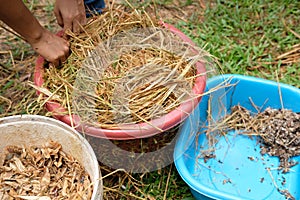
column 70, row 15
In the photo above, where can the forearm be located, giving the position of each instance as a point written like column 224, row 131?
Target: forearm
column 17, row 16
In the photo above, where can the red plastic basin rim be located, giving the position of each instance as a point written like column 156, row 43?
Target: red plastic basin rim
column 126, row 132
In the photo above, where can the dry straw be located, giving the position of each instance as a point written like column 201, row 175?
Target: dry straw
column 124, row 68
column 277, row 131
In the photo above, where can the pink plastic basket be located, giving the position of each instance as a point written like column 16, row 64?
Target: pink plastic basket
column 126, row 132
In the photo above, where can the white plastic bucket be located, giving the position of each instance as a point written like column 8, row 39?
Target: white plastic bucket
column 37, row 130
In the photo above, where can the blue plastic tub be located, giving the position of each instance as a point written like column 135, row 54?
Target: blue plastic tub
column 238, row 171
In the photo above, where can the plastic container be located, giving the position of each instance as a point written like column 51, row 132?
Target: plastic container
column 36, row 130
column 141, row 130
column 232, row 174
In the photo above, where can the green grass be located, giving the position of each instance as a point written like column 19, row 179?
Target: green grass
column 157, row 181
column 246, row 34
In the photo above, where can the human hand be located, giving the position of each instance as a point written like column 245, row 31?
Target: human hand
column 53, row 48
column 70, row 14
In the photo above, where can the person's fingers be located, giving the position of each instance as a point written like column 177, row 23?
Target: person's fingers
column 76, row 26
column 64, row 57
column 52, row 47
column 78, row 23
column 59, row 18
column 83, row 21
column 65, row 54
column 58, row 61
column 82, row 14
column 62, row 60
column 61, row 57
column 82, row 18
column 68, row 24
column 55, row 62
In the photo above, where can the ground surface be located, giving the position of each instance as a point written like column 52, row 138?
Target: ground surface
column 253, row 38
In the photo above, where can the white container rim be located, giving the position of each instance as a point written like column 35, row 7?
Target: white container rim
column 97, row 180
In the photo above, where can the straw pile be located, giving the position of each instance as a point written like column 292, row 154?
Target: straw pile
column 278, row 130
column 124, row 68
